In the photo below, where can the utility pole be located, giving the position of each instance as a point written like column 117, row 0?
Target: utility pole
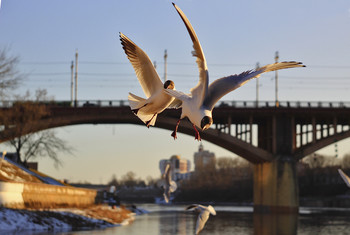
column 155, row 64
column 257, row 86
column 165, row 69
column 71, row 83
column 276, row 80
column 76, row 78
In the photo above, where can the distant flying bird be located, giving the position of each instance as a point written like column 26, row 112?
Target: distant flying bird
column 167, row 183
column 203, row 216
column 198, row 105
column 157, row 99
column 345, row 177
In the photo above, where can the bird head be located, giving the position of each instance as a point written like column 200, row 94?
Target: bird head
column 206, row 122
column 168, row 84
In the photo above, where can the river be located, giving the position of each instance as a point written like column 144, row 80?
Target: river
column 166, row 220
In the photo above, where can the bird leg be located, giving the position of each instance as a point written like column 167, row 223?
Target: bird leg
column 174, row 132
column 149, row 121
column 197, row 137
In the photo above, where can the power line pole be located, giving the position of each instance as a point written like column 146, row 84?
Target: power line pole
column 76, row 79
column 257, row 86
column 155, row 64
column 165, row 65
column 71, row 83
column 276, row 80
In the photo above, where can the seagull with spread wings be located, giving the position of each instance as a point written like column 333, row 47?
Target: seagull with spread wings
column 204, row 212
column 198, row 105
column 157, row 99
column 167, row 183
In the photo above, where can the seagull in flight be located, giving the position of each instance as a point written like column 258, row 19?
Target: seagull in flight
column 157, row 99
column 204, row 212
column 167, row 183
column 198, row 105
column 345, row 177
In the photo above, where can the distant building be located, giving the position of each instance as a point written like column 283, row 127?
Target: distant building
column 203, row 159
column 180, row 168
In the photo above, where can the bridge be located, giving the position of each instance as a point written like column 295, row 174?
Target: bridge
column 271, row 137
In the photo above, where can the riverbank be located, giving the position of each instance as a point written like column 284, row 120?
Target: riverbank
column 63, row 219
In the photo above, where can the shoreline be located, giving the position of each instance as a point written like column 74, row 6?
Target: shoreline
column 63, row 219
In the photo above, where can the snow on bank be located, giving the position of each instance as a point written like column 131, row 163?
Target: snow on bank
column 14, row 220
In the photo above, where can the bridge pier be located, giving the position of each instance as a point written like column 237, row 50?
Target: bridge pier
column 276, row 182
column 276, row 186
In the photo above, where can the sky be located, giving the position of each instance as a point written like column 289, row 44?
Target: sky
column 235, row 36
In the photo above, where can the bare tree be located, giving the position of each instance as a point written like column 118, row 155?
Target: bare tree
column 9, row 75
column 114, row 181
column 28, row 144
column 40, row 144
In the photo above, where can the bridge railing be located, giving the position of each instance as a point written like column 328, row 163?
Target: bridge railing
column 232, row 103
column 286, row 104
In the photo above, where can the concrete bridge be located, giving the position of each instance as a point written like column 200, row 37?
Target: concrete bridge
column 272, row 138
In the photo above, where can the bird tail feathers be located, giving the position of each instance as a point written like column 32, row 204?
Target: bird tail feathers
column 135, row 103
column 147, row 117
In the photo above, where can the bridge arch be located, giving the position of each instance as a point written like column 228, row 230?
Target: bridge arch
column 283, row 138
column 60, row 117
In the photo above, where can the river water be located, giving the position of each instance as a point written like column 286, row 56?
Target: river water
column 163, row 220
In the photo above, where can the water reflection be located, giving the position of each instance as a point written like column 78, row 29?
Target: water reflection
column 275, row 223
column 173, row 220
column 181, row 224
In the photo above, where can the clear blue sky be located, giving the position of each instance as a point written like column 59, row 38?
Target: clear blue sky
column 235, row 35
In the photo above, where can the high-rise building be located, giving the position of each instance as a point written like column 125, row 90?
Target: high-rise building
column 180, row 168
column 203, row 159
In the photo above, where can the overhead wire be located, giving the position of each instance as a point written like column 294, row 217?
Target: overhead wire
column 290, row 82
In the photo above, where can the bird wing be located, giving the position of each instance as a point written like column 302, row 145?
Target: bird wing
column 211, row 210
column 177, row 94
column 167, row 173
column 144, row 69
column 202, row 219
column 345, row 177
column 191, row 206
column 166, row 197
column 222, row 86
column 166, row 169
column 176, row 104
column 200, row 90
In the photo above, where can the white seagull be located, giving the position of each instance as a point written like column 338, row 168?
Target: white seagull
column 198, row 105
column 167, row 183
column 345, row 177
column 203, row 216
column 157, row 99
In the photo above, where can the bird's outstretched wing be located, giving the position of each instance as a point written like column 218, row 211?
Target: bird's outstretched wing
column 222, row 86
column 202, row 219
column 144, row 69
column 345, row 177
column 201, row 88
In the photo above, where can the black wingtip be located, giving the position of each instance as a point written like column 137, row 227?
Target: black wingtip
column 190, row 207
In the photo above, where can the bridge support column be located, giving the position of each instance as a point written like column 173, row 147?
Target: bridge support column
column 276, row 186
